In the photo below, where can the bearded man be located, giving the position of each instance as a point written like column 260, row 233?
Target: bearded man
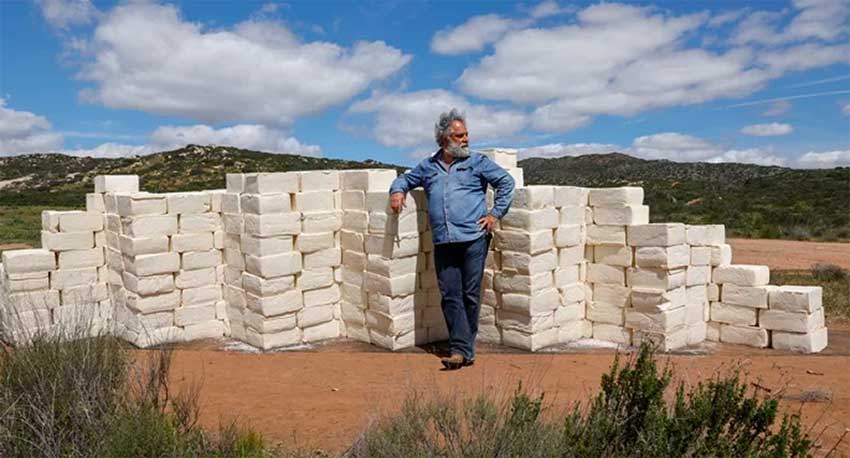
column 455, row 181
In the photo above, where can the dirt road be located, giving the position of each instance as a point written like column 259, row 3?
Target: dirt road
column 789, row 254
column 324, row 398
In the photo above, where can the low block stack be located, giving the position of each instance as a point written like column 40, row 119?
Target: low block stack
column 284, row 259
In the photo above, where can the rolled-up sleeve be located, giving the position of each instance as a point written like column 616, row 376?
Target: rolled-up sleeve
column 407, row 181
column 502, row 181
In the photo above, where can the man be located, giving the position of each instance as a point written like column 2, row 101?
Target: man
column 455, row 181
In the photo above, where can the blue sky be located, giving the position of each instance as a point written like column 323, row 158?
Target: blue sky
column 763, row 82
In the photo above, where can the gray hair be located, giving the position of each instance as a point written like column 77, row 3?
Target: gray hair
column 443, row 127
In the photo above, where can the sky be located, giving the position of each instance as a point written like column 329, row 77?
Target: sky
column 764, row 82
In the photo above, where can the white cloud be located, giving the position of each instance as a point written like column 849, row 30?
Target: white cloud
column 472, row 35
column 146, row 57
column 767, row 130
column 813, row 19
column 247, row 136
column 829, row 159
column 726, row 17
column 803, row 57
column 546, row 8
column 846, row 109
column 111, row 150
column 760, row 156
column 553, row 150
column 24, row 132
column 407, row 119
column 67, row 13
column 778, row 108
column 673, row 146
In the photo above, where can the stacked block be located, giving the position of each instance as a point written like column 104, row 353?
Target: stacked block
column 284, row 259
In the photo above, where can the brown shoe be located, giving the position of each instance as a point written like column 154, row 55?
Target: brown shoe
column 455, row 361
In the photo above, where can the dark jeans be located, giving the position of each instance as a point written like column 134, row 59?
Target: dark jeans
column 460, row 267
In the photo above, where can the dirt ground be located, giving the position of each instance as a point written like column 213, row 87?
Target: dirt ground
column 789, row 254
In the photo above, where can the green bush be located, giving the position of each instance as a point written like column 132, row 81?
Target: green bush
column 628, row 418
column 67, row 396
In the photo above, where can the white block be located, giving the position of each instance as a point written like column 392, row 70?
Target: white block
column 230, row 202
column 570, row 196
column 264, row 325
column 749, row 296
column 353, row 200
column 700, row 255
column 263, row 204
column 566, row 314
column 201, row 295
column 152, row 304
column 275, row 265
column 152, row 264
column 188, row 315
column 615, row 295
column 742, row 275
column 95, row 203
column 697, row 294
column 512, row 282
column 28, row 261
column 319, row 180
column 367, row 179
column 530, row 342
column 811, row 342
column 546, row 261
column 391, row 267
column 265, row 246
column 79, row 221
column 621, row 216
column 147, row 226
column 656, row 300
column 698, row 275
column 573, row 215
column 200, row 259
column 201, row 241
column 269, row 341
column 503, row 157
column 134, row 246
column 524, row 322
column 606, row 235
column 64, row 241
column 603, row 273
column 780, row 320
column 78, row 259
column 601, row 312
column 393, row 305
column 527, row 242
column 25, row 284
column 796, row 298
column 565, row 275
column 279, row 304
column 517, row 175
column 395, row 286
column 321, row 221
column 85, row 294
column 547, row 300
column 571, row 255
column 663, row 341
column 616, row 197
column 141, row 204
column 721, row 255
column 313, row 201
column 235, row 182
column 263, row 287
column 533, row 197
column 67, row 278
column 355, row 220
column 212, row 329
column 392, row 325
column 206, row 222
column 733, row 314
column 569, row 235
column 614, row 255
column 188, row 202
column 50, row 220
column 531, row 220
column 116, row 183
column 329, row 257
column 664, row 257
column 308, row 243
column 391, row 246
column 273, row 224
column 706, row 235
column 713, row 292
column 657, row 234
column 744, row 335
column 655, row 278
column 270, row 183
column 312, row 316
column 315, row 278
column 659, row 322
column 612, row 333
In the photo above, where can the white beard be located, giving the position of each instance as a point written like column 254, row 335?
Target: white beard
column 458, row 152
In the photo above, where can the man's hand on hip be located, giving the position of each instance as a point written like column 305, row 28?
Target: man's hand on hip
column 397, row 201
column 487, row 223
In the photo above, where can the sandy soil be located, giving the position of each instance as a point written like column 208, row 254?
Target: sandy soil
column 326, row 396
column 789, row 254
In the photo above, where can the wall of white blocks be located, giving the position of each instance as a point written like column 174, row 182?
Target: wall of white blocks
column 285, row 259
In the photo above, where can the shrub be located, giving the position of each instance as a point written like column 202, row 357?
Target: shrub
column 628, row 418
column 828, row 272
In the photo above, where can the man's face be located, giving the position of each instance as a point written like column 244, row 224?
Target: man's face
column 459, row 136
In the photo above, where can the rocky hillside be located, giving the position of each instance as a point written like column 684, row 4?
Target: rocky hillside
column 54, row 179
column 751, row 200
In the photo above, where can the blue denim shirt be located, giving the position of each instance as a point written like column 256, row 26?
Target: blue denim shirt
column 457, row 196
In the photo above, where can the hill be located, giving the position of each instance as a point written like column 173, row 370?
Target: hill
column 751, row 200
column 59, row 180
